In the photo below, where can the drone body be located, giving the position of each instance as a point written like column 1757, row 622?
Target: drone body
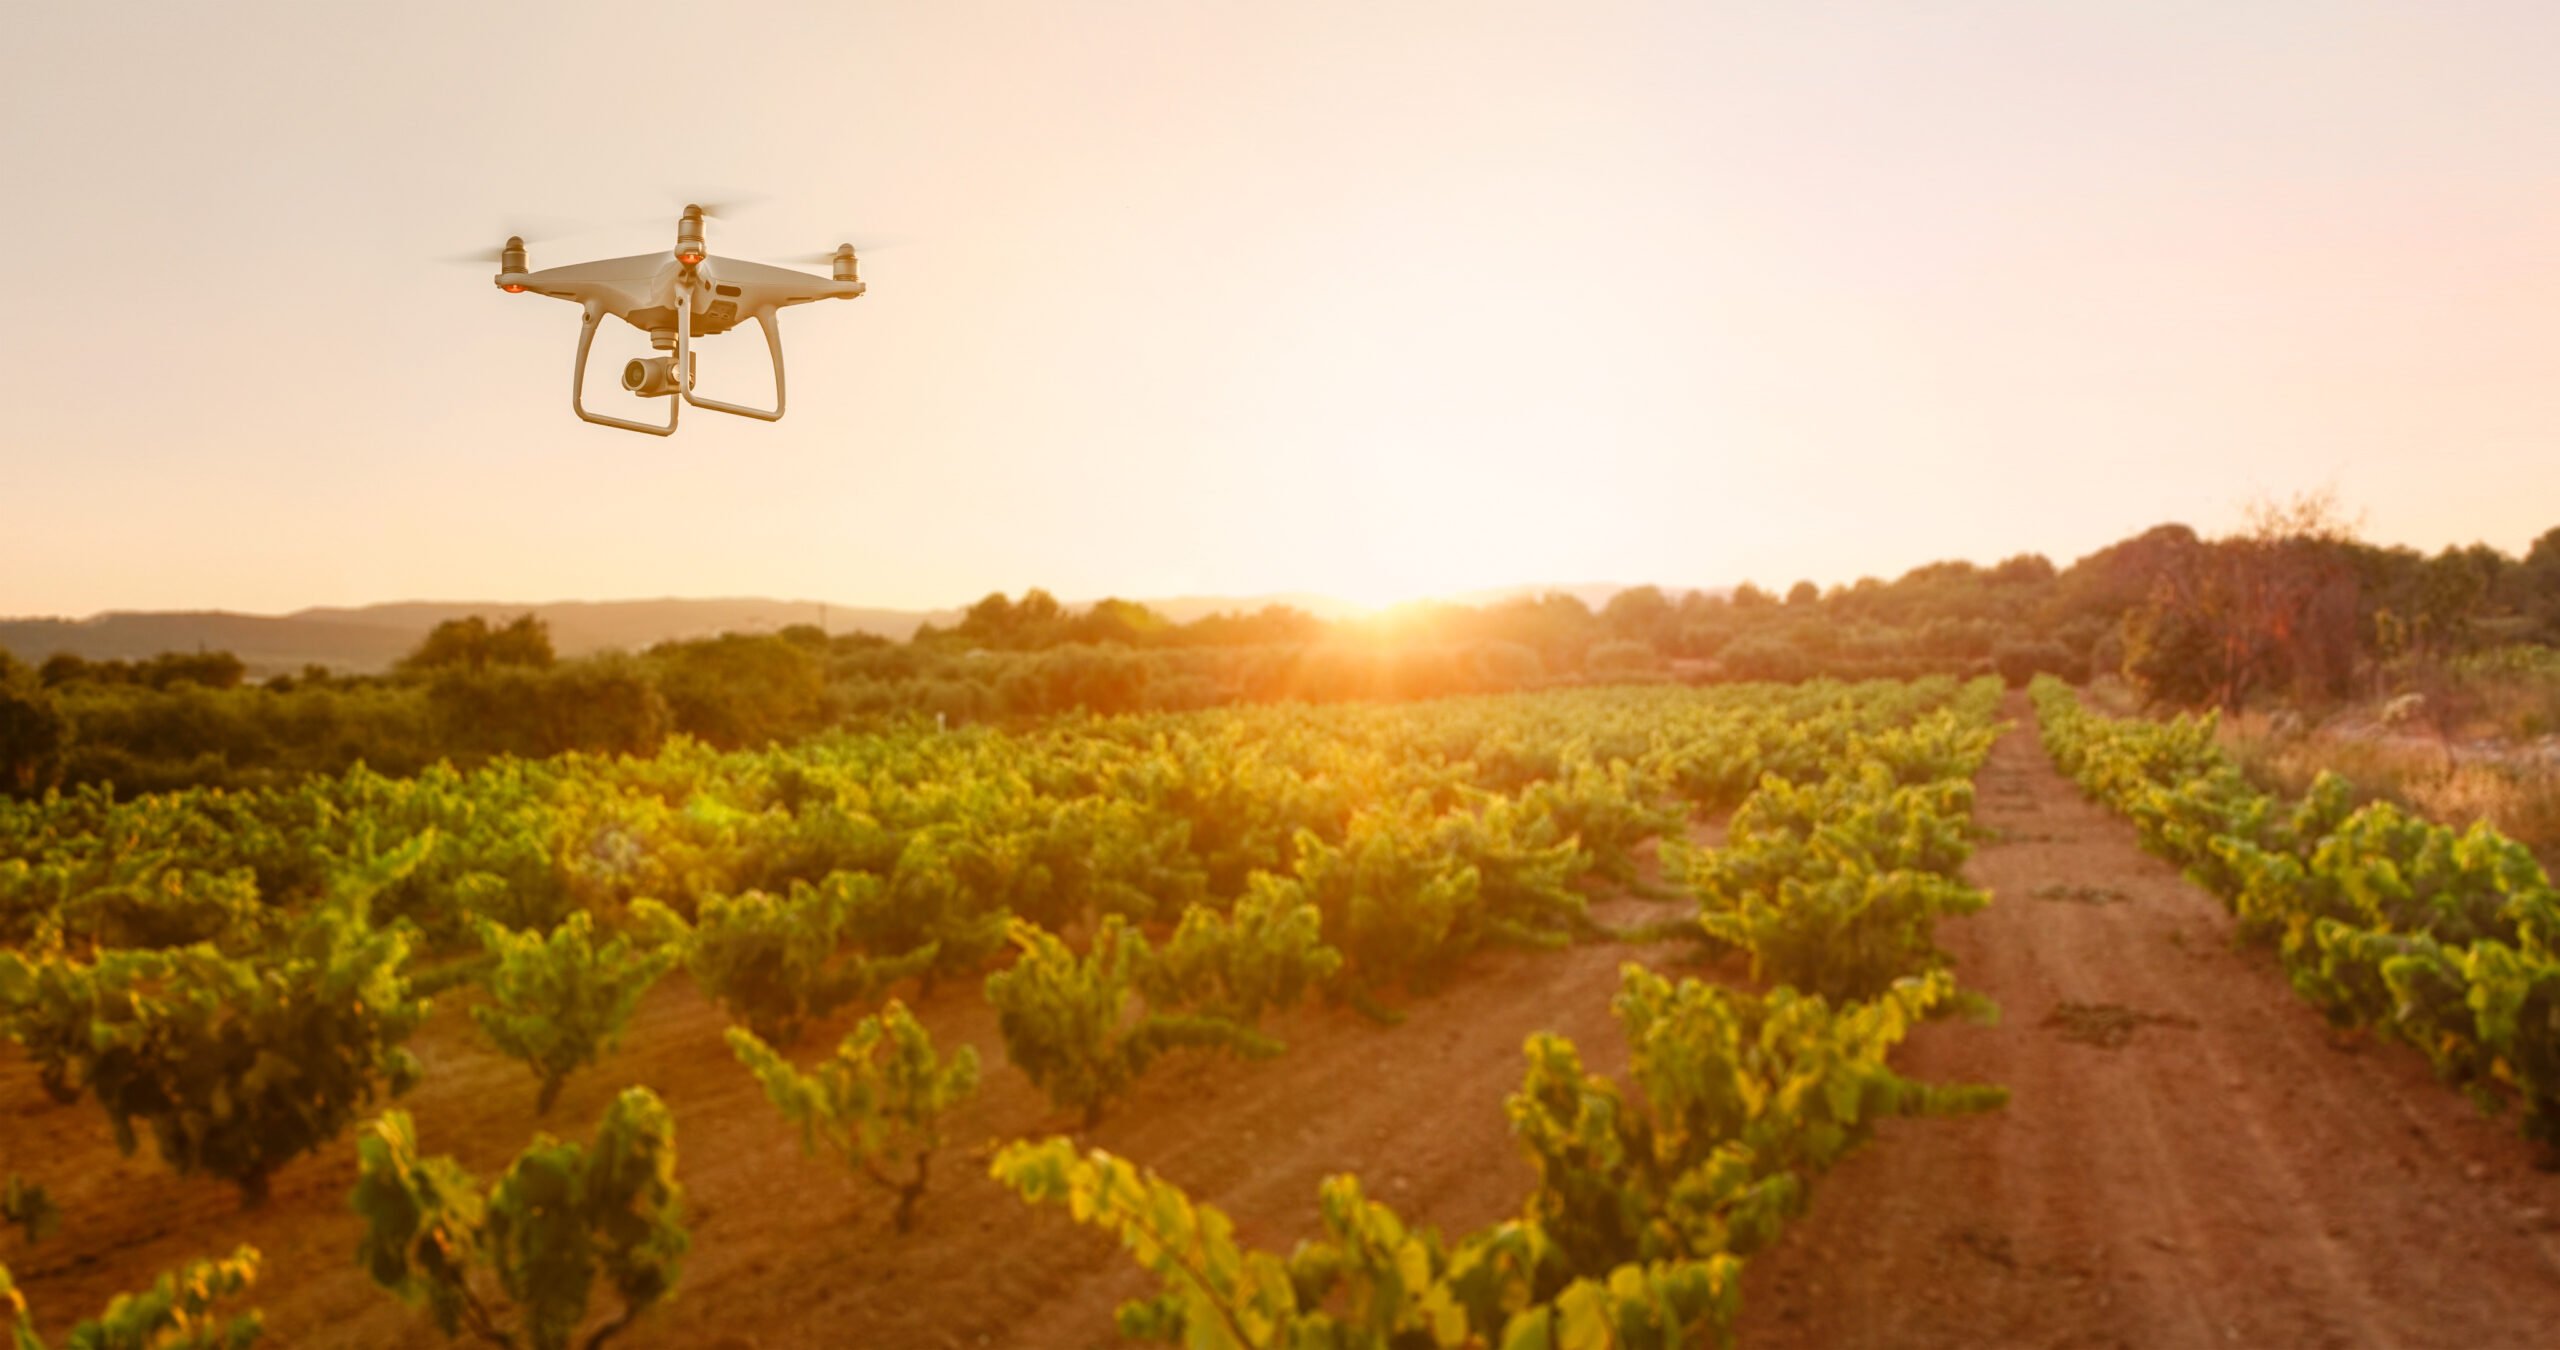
column 675, row 297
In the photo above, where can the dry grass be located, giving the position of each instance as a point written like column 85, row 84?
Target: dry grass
column 2511, row 692
column 2448, row 780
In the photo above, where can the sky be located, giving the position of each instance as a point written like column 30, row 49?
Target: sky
column 1370, row 300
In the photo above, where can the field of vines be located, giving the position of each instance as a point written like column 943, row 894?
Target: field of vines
column 234, row 978
column 2447, row 940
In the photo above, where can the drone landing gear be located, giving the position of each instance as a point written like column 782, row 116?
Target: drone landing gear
column 684, row 360
column 578, row 384
column 683, row 366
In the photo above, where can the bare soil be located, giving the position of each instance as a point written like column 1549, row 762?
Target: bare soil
column 789, row 1250
column 2246, row 1179
column 2189, row 1157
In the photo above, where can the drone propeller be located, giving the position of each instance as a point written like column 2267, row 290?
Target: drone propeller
column 813, row 259
column 543, row 234
column 723, row 209
column 494, row 257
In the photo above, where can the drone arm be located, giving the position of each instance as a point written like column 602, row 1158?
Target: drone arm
column 578, row 384
column 772, row 343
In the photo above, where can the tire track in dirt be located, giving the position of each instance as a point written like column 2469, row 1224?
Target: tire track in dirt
column 2249, row 1179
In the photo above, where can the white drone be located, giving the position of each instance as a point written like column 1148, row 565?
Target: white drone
column 675, row 297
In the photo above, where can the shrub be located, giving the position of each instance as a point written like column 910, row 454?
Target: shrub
column 879, row 1102
column 236, row 1067
column 176, row 1313
column 1066, row 1019
column 561, row 1215
column 558, row 1002
column 775, row 962
column 1622, row 658
column 2021, row 661
column 1765, row 656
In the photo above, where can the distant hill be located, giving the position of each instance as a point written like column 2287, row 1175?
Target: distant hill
column 580, row 627
column 368, row 638
column 267, row 643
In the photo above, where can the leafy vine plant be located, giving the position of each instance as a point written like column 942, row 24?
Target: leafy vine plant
column 561, row 1216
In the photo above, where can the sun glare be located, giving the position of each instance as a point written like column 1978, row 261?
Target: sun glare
column 1385, row 588
column 1395, row 566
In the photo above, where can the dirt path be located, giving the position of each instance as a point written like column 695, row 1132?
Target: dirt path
column 2232, row 1175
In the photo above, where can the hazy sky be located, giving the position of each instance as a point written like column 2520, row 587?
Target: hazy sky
column 1371, row 299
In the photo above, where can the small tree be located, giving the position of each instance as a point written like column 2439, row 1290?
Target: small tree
column 560, row 1216
column 1638, row 614
column 33, row 732
column 2536, row 583
column 1765, row 656
column 739, row 690
column 473, row 644
column 558, row 1002
column 879, row 1102
column 1623, row 658
column 212, row 670
column 603, row 705
column 2271, row 607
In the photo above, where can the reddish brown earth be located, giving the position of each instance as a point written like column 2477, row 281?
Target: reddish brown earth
column 2232, row 1176
column 787, row 1250
column 2237, row 1181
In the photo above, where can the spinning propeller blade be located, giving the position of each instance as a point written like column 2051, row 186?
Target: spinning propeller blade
column 724, row 208
column 866, row 250
column 495, row 257
column 543, row 234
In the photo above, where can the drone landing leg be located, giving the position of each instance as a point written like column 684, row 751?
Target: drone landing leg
column 772, row 343
column 578, row 384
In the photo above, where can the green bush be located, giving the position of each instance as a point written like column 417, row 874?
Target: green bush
column 558, row 1002
column 1622, row 658
column 879, row 1102
column 1067, row 1023
column 559, row 1217
column 776, row 962
column 175, row 1313
column 236, row 1067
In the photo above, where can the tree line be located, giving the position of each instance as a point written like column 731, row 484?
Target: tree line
column 2292, row 606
